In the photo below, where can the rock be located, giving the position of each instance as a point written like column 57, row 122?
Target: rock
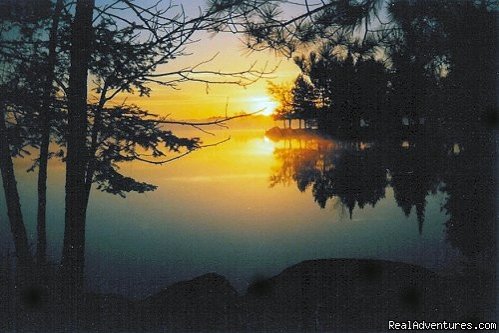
column 345, row 293
column 206, row 302
column 314, row 295
column 108, row 311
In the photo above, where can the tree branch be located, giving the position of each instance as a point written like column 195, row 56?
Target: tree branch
column 201, row 123
column 179, row 156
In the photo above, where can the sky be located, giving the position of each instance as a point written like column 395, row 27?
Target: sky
column 196, row 100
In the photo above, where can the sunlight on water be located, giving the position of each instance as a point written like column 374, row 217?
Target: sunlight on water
column 216, row 210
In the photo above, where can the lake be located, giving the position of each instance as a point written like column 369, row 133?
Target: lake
column 252, row 206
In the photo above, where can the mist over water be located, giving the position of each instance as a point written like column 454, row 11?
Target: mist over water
column 221, row 210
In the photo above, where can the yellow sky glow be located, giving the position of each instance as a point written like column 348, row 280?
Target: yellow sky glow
column 196, row 100
column 263, row 103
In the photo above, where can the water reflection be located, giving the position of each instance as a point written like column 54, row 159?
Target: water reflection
column 351, row 172
column 224, row 218
column 357, row 174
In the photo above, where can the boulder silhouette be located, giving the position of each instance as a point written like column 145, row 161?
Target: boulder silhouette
column 345, row 293
column 315, row 295
column 206, row 302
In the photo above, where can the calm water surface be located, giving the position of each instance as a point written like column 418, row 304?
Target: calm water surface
column 252, row 206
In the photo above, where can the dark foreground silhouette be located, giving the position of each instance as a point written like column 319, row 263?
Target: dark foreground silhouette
column 316, row 295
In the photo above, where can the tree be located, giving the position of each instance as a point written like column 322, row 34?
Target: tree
column 332, row 79
column 435, row 51
column 20, row 93
column 372, row 81
column 45, row 129
column 12, row 196
column 426, row 45
column 345, row 90
column 124, row 57
column 304, row 99
column 296, row 101
column 72, row 262
column 265, row 26
column 282, row 93
column 166, row 38
column 125, row 43
column 120, row 57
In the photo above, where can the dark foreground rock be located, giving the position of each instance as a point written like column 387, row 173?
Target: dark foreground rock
column 331, row 294
column 206, row 302
column 316, row 295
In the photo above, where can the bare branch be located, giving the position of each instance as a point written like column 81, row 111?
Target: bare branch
column 202, row 123
column 179, row 156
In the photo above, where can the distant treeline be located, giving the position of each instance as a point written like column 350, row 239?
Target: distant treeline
column 430, row 67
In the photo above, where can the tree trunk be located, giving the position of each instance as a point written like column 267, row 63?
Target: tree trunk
column 41, row 247
column 73, row 253
column 24, row 260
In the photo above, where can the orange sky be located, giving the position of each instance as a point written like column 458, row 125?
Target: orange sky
column 193, row 100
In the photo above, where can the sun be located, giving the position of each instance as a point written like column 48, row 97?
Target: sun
column 265, row 104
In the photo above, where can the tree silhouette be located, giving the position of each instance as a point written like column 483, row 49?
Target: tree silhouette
column 12, row 195
column 50, row 63
column 424, row 70
column 29, row 46
column 265, row 28
column 296, row 101
column 348, row 94
column 372, row 80
column 125, row 133
column 19, row 98
column 73, row 253
column 282, row 93
column 304, row 99
column 45, row 129
column 122, row 58
column 65, row 63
